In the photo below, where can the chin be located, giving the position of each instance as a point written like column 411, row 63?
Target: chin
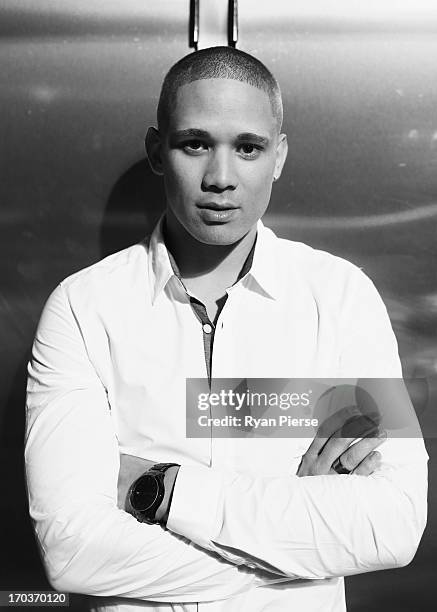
column 219, row 235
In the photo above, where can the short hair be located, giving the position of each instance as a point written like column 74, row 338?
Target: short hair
column 218, row 63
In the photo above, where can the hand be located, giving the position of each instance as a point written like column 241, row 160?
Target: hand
column 333, row 440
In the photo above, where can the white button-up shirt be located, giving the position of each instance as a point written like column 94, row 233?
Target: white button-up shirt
column 112, row 352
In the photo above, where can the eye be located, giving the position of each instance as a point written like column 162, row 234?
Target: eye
column 249, row 150
column 194, row 147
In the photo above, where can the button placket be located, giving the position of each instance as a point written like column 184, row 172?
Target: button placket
column 222, row 449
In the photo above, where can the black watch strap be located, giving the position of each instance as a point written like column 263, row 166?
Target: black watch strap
column 162, row 467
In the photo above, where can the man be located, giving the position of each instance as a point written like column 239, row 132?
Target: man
column 251, row 524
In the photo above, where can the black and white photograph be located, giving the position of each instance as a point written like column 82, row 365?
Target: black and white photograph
column 218, row 305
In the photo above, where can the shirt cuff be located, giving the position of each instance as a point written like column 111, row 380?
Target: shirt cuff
column 196, row 507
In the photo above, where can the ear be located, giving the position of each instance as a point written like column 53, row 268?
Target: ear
column 281, row 155
column 153, row 150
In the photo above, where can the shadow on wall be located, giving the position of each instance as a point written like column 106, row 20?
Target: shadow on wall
column 135, row 203
column 134, row 206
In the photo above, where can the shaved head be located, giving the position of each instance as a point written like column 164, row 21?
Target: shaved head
column 218, row 63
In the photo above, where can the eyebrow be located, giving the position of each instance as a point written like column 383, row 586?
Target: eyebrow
column 196, row 133
column 190, row 133
column 255, row 138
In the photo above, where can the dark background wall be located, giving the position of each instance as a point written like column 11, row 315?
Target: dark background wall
column 78, row 88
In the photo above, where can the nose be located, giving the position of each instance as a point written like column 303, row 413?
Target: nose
column 220, row 172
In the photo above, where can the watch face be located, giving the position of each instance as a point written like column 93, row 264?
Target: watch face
column 144, row 493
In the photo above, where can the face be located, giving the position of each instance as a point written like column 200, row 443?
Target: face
column 219, row 155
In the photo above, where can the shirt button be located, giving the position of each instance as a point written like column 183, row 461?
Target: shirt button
column 207, row 328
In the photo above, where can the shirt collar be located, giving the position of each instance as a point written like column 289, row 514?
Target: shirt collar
column 160, row 269
column 263, row 269
column 265, row 264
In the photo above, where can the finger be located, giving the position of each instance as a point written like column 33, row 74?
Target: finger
column 351, row 427
column 329, row 426
column 341, row 441
column 369, row 464
column 333, row 449
column 356, row 453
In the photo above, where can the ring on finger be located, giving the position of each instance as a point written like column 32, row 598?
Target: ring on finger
column 339, row 467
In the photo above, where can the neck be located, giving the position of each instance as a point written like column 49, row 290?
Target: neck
column 196, row 259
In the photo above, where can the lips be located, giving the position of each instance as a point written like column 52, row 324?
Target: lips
column 218, row 206
column 216, row 212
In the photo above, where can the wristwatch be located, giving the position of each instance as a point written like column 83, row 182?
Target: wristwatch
column 147, row 492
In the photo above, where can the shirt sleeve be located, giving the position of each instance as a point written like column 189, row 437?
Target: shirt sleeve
column 88, row 545
column 320, row 526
